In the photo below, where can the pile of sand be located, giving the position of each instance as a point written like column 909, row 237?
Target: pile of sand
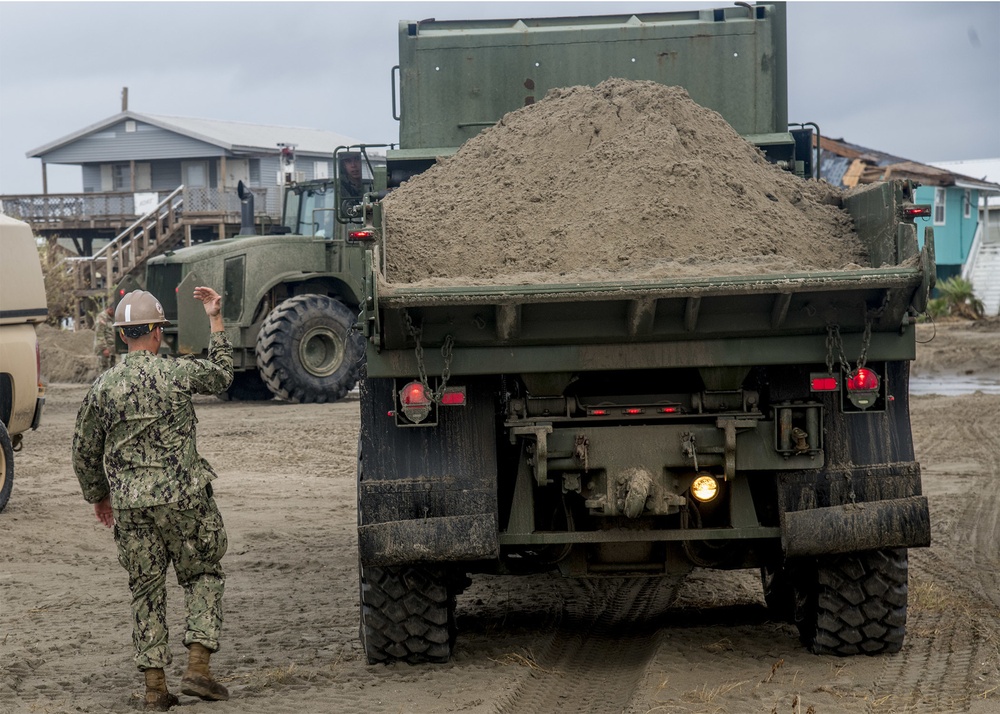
column 67, row 356
column 627, row 178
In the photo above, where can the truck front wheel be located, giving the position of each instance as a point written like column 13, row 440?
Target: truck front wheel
column 6, row 466
column 855, row 603
column 407, row 613
column 308, row 351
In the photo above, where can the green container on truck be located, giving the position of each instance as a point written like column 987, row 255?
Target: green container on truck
column 634, row 427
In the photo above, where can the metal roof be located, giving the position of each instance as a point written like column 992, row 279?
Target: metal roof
column 236, row 137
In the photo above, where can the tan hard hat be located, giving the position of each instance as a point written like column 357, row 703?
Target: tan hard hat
column 139, row 308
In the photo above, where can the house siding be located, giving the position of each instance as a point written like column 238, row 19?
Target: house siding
column 147, row 143
column 953, row 239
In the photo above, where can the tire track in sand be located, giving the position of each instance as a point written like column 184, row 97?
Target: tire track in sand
column 599, row 654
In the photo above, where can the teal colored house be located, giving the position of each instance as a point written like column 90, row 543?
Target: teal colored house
column 955, row 199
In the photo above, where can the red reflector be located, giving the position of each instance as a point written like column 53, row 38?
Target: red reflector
column 668, row 410
column 632, row 410
column 916, row 211
column 597, row 412
column 824, row 384
column 862, row 380
column 414, row 395
column 361, row 235
column 453, row 397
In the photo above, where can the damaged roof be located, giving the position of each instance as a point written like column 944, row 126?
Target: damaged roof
column 847, row 165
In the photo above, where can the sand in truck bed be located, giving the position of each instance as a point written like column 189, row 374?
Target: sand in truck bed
column 625, row 180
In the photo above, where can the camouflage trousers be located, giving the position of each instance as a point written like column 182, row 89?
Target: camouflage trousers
column 193, row 538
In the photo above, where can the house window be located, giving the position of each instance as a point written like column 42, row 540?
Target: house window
column 130, row 126
column 121, row 177
column 939, row 196
column 967, row 203
column 321, row 169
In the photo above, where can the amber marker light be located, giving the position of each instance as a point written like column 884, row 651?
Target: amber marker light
column 705, row 488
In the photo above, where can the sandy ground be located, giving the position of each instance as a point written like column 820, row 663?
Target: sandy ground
column 287, row 492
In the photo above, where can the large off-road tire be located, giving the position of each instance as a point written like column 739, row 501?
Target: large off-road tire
column 407, row 614
column 247, row 387
column 308, row 351
column 856, row 603
column 6, row 466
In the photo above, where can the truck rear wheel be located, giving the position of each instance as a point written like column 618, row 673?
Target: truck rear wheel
column 307, row 350
column 6, row 466
column 856, row 604
column 407, row 613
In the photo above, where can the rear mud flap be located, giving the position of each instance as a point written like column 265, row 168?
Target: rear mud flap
column 855, row 527
column 442, row 539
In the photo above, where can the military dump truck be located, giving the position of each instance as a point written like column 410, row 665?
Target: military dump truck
column 644, row 426
column 290, row 298
column 22, row 308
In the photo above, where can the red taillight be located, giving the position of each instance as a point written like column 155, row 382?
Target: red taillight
column 414, row 394
column 361, row 235
column 632, row 411
column 824, row 384
column 862, row 380
column 597, row 412
column 415, row 402
column 668, row 410
column 453, row 397
column 913, row 211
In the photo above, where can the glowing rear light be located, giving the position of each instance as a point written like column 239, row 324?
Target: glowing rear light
column 824, row 384
column 913, row 211
column 633, row 411
column 414, row 394
column 862, row 380
column 415, row 402
column 361, row 235
column 453, row 397
column 668, row 410
column 597, row 412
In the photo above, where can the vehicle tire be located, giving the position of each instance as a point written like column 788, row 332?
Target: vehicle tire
column 407, row 614
column 308, row 351
column 247, row 387
column 407, row 611
column 6, row 466
column 856, row 604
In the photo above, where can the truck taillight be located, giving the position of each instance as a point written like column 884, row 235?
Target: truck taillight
column 363, row 236
column 862, row 388
column 824, row 383
column 415, row 402
column 453, row 397
column 916, row 211
column 862, row 380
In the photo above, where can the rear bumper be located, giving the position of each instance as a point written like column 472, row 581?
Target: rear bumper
column 441, row 539
column 854, row 527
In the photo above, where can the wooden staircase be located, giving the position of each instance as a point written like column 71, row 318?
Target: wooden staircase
column 156, row 232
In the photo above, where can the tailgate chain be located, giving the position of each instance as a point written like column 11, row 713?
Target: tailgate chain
column 834, row 342
column 446, row 348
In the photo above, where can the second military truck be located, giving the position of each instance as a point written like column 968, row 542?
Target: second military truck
column 635, row 427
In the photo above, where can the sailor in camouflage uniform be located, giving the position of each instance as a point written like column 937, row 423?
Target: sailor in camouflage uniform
column 104, row 338
column 135, row 454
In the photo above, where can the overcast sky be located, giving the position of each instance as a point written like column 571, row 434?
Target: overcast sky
column 917, row 79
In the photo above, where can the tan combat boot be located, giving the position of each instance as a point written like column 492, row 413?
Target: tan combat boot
column 158, row 699
column 198, row 680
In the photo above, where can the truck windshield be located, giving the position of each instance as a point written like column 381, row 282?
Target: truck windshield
column 316, row 209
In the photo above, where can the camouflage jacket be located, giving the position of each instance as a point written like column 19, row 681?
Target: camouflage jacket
column 104, row 333
column 135, row 431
